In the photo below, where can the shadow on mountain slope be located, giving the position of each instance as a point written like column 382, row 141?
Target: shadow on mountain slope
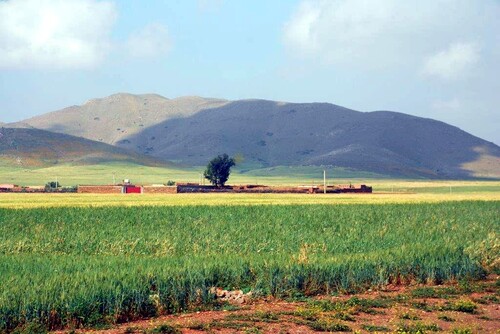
column 269, row 133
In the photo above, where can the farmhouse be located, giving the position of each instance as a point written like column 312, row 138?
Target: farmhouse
column 8, row 187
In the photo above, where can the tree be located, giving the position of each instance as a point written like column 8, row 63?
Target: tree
column 52, row 186
column 218, row 170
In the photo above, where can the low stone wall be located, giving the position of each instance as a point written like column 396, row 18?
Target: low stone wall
column 100, row 189
column 261, row 189
column 273, row 190
column 159, row 190
column 195, row 188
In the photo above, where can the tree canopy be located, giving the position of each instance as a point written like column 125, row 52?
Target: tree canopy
column 218, row 170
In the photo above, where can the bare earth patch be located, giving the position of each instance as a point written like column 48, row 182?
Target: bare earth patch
column 451, row 308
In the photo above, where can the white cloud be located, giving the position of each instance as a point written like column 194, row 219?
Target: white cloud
column 54, row 33
column 150, row 42
column 336, row 30
column 383, row 33
column 452, row 63
column 300, row 32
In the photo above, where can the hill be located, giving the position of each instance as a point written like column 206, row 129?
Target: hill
column 31, row 148
column 191, row 130
column 273, row 134
column 117, row 117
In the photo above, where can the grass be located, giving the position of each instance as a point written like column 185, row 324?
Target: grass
column 418, row 328
column 105, row 173
column 304, row 172
column 69, row 175
column 165, row 329
column 74, row 267
column 375, row 328
column 461, row 305
column 446, row 318
column 327, row 326
column 487, row 300
column 409, row 316
column 255, row 317
column 353, row 305
column 461, row 331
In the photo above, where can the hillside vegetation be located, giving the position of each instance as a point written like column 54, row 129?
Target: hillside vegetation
column 33, row 148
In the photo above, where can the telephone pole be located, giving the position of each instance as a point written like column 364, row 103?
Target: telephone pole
column 324, row 181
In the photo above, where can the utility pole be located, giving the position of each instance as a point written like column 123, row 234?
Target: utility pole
column 324, row 181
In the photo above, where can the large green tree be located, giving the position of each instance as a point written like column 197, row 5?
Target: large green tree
column 218, row 170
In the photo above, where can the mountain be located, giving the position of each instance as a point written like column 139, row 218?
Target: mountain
column 118, row 116
column 40, row 148
column 191, row 130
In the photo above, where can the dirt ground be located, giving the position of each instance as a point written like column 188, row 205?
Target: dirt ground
column 451, row 308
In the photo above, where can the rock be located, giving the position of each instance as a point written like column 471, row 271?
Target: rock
column 220, row 293
column 234, row 297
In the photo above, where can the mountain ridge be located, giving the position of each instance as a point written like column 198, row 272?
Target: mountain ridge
column 191, row 130
column 111, row 118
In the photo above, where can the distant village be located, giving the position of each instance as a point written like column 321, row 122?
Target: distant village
column 127, row 187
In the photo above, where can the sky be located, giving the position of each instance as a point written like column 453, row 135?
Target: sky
column 438, row 59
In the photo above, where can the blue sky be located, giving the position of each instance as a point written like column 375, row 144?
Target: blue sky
column 436, row 59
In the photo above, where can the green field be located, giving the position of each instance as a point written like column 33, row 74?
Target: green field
column 71, row 267
column 86, row 260
column 70, row 175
